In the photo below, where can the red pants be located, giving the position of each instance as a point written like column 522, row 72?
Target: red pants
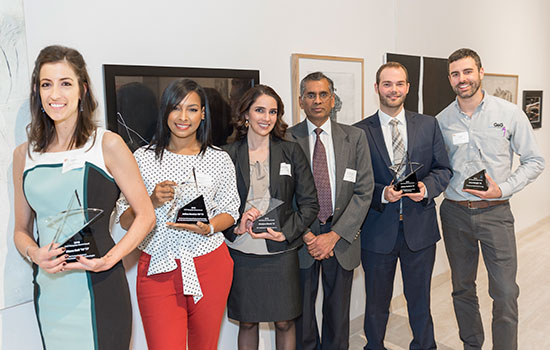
column 169, row 316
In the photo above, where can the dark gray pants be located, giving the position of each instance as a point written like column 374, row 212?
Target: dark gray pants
column 464, row 231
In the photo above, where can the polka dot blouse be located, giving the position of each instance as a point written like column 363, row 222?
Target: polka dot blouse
column 215, row 174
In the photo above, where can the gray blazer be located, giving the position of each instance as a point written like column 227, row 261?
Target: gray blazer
column 351, row 151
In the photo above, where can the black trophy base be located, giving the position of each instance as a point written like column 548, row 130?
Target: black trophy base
column 81, row 244
column 477, row 182
column 408, row 185
column 267, row 221
column 193, row 212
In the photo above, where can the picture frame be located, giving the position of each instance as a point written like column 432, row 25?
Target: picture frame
column 132, row 97
column 348, row 76
column 501, row 85
column 532, row 106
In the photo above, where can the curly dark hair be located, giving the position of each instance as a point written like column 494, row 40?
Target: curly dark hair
column 244, row 104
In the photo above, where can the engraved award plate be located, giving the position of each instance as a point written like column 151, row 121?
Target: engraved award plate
column 72, row 231
column 193, row 210
column 270, row 215
column 478, row 181
column 405, row 178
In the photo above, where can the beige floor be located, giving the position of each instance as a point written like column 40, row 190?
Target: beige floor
column 534, row 302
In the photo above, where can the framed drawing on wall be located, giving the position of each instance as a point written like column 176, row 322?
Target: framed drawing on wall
column 133, row 93
column 347, row 73
column 501, row 85
column 532, row 106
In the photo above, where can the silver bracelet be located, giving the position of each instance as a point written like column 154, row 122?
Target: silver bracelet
column 211, row 230
column 27, row 256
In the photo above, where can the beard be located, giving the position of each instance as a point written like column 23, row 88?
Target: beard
column 474, row 87
column 386, row 101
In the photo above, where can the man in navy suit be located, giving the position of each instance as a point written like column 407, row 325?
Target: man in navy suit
column 401, row 226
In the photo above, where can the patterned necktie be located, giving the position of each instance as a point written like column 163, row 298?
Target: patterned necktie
column 397, row 145
column 321, row 177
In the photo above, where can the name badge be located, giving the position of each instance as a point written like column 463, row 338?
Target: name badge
column 285, row 169
column 460, row 138
column 203, row 179
column 350, row 175
column 70, row 164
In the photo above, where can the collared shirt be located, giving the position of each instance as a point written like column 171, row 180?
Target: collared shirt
column 386, row 130
column 326, row 138
column 488, row 139
column 385, row 120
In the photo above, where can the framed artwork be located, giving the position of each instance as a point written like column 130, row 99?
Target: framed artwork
column 347, row 73
column 532, row 106
column 132, row 95
column 430, row 91
column 504, row 86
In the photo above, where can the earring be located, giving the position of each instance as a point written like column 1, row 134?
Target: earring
column 42, row 109
column 246, row 123
column 81, row 109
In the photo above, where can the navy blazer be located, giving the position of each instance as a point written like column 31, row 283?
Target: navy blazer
column 297, row 191
column 425, row 145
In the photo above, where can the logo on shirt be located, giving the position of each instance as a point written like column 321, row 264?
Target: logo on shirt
column 498, row 125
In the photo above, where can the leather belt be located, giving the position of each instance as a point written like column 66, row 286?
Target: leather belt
column 479, row 204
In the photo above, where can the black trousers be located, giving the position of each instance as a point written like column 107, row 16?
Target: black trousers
column 336, row 303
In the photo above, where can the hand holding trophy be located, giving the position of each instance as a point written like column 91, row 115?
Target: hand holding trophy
column 71, row 229
column 405, row 178
column 193, row 215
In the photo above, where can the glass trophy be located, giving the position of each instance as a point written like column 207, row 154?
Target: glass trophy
column 405, row 178
column 477, row 181
column 71, row 229
column 188, row 205
column 269, row 215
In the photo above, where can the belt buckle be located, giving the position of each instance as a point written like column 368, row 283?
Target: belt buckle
column 470, row 205
column 400, row 217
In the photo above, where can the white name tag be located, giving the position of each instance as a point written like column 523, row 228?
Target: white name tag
column 350, row 175
column 285, row 169
column 460, row 137
column 70, row 164
column 203, row 179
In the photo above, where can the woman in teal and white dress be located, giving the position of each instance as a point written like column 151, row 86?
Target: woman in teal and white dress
column 82, row 304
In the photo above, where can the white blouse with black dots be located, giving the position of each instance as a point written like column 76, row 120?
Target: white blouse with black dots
column 215, row 174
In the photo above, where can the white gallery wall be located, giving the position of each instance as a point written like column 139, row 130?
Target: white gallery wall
column 251, row 34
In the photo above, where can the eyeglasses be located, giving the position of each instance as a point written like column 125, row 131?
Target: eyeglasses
column 323, row 95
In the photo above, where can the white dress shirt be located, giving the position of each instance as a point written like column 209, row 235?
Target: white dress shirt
column 386, row 130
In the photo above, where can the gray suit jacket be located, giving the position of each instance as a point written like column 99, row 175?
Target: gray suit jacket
column 353, row 199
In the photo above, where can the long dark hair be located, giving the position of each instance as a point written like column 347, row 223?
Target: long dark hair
column 41, row 129
column 244, row 104
column 171, row 97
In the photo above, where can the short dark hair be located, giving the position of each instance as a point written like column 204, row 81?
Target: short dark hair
column 391, row 64
column 463, row 53
column 171, row 98
column 247, row 100
column 41, row 129
column 316, row 76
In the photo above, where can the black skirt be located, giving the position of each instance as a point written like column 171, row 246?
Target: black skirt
column 266, row 288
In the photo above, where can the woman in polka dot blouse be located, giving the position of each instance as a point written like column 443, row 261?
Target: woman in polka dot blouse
column 184, row 271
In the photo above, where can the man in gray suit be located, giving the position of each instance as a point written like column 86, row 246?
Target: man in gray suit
column 340, row 160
